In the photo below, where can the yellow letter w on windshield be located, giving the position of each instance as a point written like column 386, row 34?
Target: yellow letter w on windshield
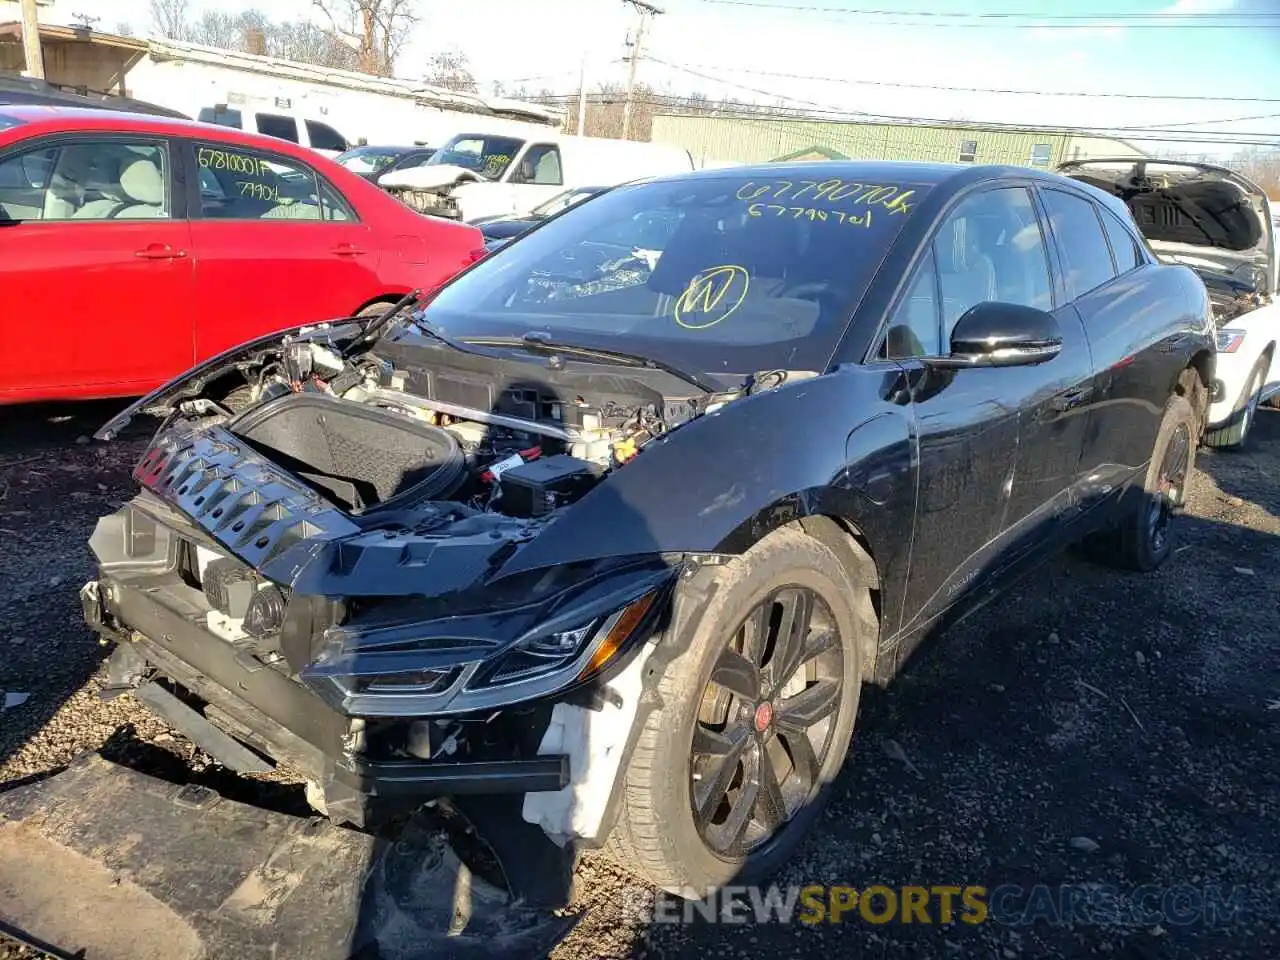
column 706, row 291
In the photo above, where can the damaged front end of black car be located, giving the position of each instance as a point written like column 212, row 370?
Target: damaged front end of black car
column 349, row 563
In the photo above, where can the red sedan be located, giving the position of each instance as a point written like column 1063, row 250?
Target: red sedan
column 132, row 247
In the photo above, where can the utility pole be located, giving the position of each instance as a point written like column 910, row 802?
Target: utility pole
column 644, row 12
column 31, row 40
column 582, row 96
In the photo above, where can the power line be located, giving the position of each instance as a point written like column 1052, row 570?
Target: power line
column 998, row 90
column 1205, row 123
column 922, row 18
column 897, row 118
column 759, row 117
column 764, row 93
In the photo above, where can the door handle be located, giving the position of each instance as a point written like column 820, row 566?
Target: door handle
column 160, row 251
column 347, row 250
column 1070, row 398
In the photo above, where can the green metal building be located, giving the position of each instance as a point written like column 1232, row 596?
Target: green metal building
column 746, row 139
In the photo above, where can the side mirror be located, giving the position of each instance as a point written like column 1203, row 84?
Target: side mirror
column 992, row 334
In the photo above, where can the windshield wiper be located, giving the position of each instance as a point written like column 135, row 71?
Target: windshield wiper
column 379, row 322
column 543, row 343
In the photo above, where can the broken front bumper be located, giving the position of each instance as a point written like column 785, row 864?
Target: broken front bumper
column 246, row 702
column 427, row 202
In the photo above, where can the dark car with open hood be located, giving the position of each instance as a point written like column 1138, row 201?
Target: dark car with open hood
column 621, row 519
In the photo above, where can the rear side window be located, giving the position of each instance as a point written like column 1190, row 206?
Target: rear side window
column 333, row 206
column 1124, row 248
column 1085, row 254
column 223, row 116
column 324, row 137
column 239, row 184
column 98, row 180
column 274, row 125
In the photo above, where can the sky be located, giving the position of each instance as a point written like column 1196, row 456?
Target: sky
column 763, row 52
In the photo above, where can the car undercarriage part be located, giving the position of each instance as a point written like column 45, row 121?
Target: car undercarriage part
column 106, row 862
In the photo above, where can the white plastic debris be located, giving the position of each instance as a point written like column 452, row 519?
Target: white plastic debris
column 893, row 750
column 14, row 700
column 1084, row 844
column 594, row 741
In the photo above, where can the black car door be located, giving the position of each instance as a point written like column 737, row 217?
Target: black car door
column 993, row 455
column 1109, row 289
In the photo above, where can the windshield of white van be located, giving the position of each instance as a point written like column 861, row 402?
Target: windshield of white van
column 718, row 274
column 486, row 155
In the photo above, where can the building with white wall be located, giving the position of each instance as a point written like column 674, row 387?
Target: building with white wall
column 190, row 77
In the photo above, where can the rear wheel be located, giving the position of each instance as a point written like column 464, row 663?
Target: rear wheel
column 1144, row 539
column 756, row 715
column 1235, row 435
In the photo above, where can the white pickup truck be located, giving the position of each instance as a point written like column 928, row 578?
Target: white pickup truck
column 478, row 175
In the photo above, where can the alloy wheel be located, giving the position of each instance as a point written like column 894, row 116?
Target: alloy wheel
column 766, row 722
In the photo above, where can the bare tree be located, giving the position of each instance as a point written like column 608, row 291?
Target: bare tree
column 376, row 29
column 171, row 19
column 309, row 43
column 1262, row 166
column 451, row 69
column 217, row 29
column 124, row 28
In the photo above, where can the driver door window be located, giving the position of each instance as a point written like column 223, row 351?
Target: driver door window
column 914, row 330
column 539, row 165
column 990, row 248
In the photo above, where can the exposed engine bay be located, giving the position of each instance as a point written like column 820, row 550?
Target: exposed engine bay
column 369, row 436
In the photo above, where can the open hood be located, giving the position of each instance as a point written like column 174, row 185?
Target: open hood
column 1207, row 217
column 428, row 176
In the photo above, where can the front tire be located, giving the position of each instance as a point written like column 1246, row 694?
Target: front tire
column 1235, row 435
column 732, row 769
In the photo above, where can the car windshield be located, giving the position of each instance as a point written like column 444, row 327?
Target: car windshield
column 486, row 155
column 722, row 274
column 560, row 202
column 368, row 159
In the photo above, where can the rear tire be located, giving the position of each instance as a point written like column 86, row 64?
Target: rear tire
column 709, row 756
column 1235, row 435
column 1144, row 539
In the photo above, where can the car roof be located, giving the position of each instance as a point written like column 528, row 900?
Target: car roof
column 870, row 171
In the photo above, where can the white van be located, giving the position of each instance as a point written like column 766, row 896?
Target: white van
column 487, row 174
column 316, row 134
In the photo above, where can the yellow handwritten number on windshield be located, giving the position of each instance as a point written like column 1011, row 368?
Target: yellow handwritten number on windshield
column 711, row 295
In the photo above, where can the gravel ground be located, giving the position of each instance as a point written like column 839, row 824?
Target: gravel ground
column 1089, row 728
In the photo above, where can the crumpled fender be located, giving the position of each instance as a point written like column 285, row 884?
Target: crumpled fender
column 694, row 489
column 428, row 177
